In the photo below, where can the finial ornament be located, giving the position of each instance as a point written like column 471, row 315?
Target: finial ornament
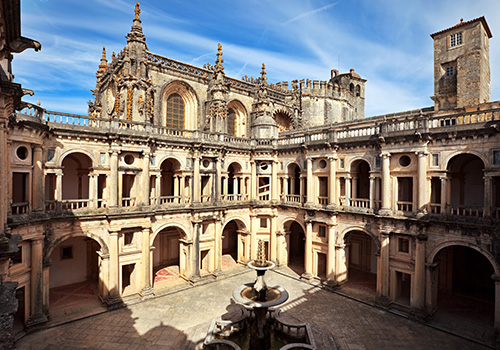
column 137, row 11
column 219, row 61
column 263, row 74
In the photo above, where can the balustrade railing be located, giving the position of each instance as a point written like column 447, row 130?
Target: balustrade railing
column 359, row 203
column 170, row 200
column 20, row 208
column 495, row 213
column 75, row 204
column 322, row 200
column 462, row 210
column 405, row 206
column 294, row 198
column 435, row 208
column 206, row 198
column 128, row 201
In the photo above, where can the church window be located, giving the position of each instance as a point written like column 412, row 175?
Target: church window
column 231, row 122
column 358, row 90
column 456, row 39
column 351, row 88
column 175, row 112
column 449, row 71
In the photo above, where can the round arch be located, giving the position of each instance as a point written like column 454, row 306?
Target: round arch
column 358, row 159
column 292, row 162
column 59, row 240
column 448, row 159
column 484, row 252
column 237, row 163
column 190, row 99
column 346, row 231
column 184, row 231
column 241, row 115
column 176, row 158
column 292, row 219
column 73, row 151
column 239, row 220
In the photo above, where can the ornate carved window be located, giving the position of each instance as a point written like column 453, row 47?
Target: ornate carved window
column 231, row 122
column 175, row 112
column 283, row 121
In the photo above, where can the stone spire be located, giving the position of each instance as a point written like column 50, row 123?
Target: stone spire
column 218, row 63
column 217, row 96
column 102, row 66
column 263, row 79
column 136, row 33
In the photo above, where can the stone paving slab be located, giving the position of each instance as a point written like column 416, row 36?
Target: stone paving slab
column 181, row 320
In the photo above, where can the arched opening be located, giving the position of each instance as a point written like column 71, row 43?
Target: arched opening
column 360, row 184
column 233, row 183
column 75, row 181
column 361, row 261
column 237, row 119
column 465, row 288
column 174, row 118
column 465, row 174
column 232, row 247
column 167, row 259
column 297, row 247
column 74, row 282
column 283, row 120
column 293, row 183
column 170, row 185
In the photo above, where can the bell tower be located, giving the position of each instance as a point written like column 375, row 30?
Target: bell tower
column 461, row 65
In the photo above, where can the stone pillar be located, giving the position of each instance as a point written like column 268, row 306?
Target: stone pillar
column 496, row 323
column 372, row 192
column 330, row 266
column 331, row 180
column 93, row 178
column 274, row 179
column 218, row 179
column 272, row 236
column 37, row 316
column 144, row 192
column 487, row 196
column 354, row 187
column 37, row 203
column 422, row 200
column 157, row 188
column 308, row 252
column 113, row 180
column 253, row 236
column 176, row 181
column 195, row 258
column 235, row 186
column 146, row 291
column 58, row 192
column 218, row 245
column 386, row 184
column 383, row 268
column 301, row 189
column 196, row 181
column 417, row 301
column 254, row 184
column 309, row 191
column 348, row 195
column 114, row 272
column 183, row 189
column 431, row 288
column 444, row 190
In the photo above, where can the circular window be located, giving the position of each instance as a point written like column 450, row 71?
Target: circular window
column 322, row 163
column 129, row 159
column 404, row 161
column 206, row 163
column 22, row 152
column 263, row 166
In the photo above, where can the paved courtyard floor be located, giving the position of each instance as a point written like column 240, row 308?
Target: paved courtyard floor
column 180, row 321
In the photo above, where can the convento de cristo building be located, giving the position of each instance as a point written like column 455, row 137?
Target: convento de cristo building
column 178, row 171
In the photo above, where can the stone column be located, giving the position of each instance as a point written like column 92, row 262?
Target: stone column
column 253, row 236
column 372, row 192
column 157, row 188
column 113, row 180
column 308, row 253
column 196, row 181
column 58, row 193
column 144, row 192
column 301, row 189
column 354, row 187
column 146, row 291
column 383, row 268
column 235, row 186
column 114, row 272
column 195, row 258
column 274, row 180
column 417, row 300
column 386, row 184
column 272, row 236
column 431, row 288
column 331, row 180
column 37, row 316
column 444, row 190
column 348, row 190
column 37, row 203
column 253, row 183
column 422, row 200
column 496, row 323
column 176, row 181
column 218, row 179
column 487, row 196
column 93, row 190
column 330, row 267
column 309, row 191
column 218, row 245
column 183, row 188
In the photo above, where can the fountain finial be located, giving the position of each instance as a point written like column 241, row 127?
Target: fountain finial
column 261, row 259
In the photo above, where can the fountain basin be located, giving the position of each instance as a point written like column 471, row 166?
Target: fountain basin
column 246, row 295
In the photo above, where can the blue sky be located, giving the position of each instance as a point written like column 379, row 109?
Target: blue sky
column 386, row 41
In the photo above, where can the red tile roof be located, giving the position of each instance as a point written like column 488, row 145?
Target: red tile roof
column 462, row 23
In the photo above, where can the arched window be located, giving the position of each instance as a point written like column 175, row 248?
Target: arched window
column 351, row 88
column 231, row 122
column 175, row 112
column 358, row 90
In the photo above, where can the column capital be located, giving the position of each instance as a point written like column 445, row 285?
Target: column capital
column 309, row 159
column 333, row 158
column 385, row 154
column 421, row 153
column 114, row 151
column 421, row 237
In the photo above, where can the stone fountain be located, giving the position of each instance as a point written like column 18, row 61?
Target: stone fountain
column 259, row 324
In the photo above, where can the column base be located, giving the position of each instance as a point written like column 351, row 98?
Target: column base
column 114, row 302
column 218, row 273
column 418, row 314
column 147, row 293
column 113, row 210
column 383, row 301
column 385, row 212
column 330, row 285
column 36, row 322
column 307, row 276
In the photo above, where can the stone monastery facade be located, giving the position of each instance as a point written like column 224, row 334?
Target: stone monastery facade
column 185, row 168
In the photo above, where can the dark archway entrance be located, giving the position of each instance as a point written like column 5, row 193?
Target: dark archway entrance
column 74, row 283
column 466, row 177
column 166, row 256
column 297, row 247
column 361, row 261
column 230, row 241
column 466, row 291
